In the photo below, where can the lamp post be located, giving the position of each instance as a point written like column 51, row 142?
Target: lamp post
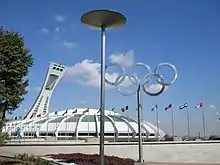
column 103, row 20
column 140, row 83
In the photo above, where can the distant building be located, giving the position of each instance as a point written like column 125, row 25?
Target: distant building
column 76, row 123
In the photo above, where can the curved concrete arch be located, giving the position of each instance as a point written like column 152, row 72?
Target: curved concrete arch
column 129, row 125
column 161, row 133
column 76, row 129
column 96, row 125
column 115, row 128
column 60, row 123
column 147, row 132
column 39, row 126
column 24, row 126
column 46, row 123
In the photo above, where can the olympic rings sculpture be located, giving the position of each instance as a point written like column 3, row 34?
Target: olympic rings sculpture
column 142, row 82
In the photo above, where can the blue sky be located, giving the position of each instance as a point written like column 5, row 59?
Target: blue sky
column 184, row 33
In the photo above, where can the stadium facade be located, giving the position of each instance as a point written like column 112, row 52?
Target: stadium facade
column 76, row 123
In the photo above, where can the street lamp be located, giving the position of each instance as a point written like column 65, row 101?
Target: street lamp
column 103, row 20
column 141, row 83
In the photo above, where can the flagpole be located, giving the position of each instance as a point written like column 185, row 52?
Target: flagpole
column 128, row 127
column 139, row 125
column 187, row 115
column 65, row 129
column 157, row 116
column 114, row 126
column 173, row 129
column 203, row 122
column 88, row 124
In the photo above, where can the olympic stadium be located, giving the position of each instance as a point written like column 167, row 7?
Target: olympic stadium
column 76, row 123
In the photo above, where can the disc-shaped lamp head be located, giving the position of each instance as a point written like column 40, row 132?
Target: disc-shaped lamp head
column 106, row 19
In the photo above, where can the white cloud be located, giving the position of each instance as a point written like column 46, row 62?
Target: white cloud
column 155, row 88
column 68, row 45
column 37, row 89
column 57, row 29
column 44, row 30
column 125, row 60
column 59, row 18
column 87, row 72
column 212, row 107
column 82, row 102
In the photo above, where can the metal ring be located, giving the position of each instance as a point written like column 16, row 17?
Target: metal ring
column 161, row 81
column 121, row 75
column 117, row 85
column 157, row 76
column 146, row 78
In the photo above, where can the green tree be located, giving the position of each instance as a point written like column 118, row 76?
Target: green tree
column 15, row 61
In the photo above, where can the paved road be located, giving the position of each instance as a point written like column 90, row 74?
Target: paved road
column 185, row 153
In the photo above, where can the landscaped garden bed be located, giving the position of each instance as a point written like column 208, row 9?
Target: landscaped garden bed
column 87, row 159
column 22, row 159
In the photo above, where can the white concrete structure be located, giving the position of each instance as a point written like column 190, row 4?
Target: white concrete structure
column 41, row 105
column 74, row 123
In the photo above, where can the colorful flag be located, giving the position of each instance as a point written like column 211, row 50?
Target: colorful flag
column 87, row 110
column 154, row 108
column 123, row 110
column 199, row 105
column 65, row 112
column 168, row 107
column 75, row 111
column 183, row 106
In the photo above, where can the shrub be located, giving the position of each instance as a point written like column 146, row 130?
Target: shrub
column 86, row 159
column 3, row 135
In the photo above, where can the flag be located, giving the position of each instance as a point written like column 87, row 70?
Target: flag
column 65, row 112
column 123, row 110
column 168, row 107
column 75, row 111
column 87, row 110
column 183, row 106
column 154, row 108
column 141, row 107
column 199, row 105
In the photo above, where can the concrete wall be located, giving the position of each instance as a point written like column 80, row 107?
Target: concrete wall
column 186, row 153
